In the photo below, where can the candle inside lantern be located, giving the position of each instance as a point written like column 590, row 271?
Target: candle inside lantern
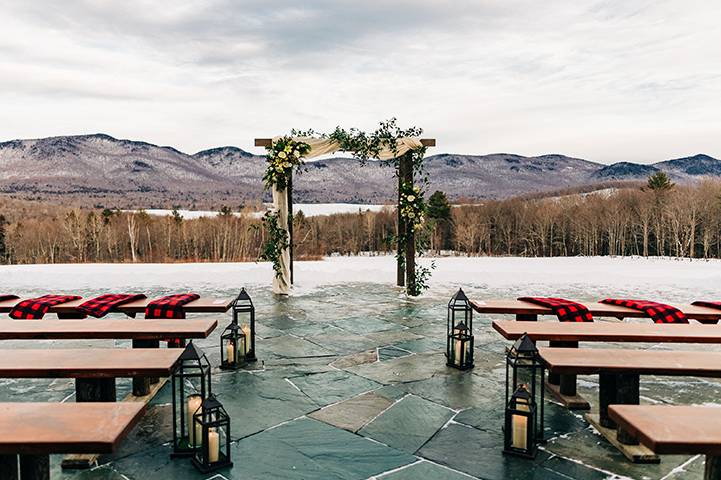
column 213, row 445
column 230, row 353
column 194, row 403
column 246, row 331
column 458, row 346
column 519, row 425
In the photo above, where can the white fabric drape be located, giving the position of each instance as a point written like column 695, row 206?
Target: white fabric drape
column 281, row 285
column 324, row 146
column 318, row 147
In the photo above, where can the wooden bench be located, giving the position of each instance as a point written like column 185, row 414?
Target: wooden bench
column 34, row 431
column 619, row 373
column 201, row 305
column 93, row 369
column 678, row 430
column 526, row 311
column 569, row 334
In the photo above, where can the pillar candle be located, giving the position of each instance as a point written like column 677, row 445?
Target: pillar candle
column 246, row 330
column 457, row 347
column 519, row 426
column 213, row 445
column 230, row 352
column 194, row 403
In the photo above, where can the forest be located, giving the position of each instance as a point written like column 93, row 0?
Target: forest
column 659, row 218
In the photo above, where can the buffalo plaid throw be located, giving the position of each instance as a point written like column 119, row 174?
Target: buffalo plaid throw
column 703, row 303
column 565, row 310
column 100, row 306
column 36, row 308
column 8, row 297
column 659, row 312
column 170, row 307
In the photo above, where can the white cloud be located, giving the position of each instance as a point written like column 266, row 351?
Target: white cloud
column 635, row 80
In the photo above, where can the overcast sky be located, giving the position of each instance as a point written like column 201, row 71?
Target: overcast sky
column 636, row 80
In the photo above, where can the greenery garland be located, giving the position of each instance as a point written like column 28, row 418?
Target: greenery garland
column 277, row 241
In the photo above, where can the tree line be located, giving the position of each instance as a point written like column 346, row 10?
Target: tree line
column 658, row 219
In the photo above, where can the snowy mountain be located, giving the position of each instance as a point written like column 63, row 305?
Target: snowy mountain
column 102, row 170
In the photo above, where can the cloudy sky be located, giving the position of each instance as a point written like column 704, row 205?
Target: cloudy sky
column 636, row 80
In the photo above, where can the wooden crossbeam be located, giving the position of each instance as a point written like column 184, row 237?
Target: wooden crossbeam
column 265, row 142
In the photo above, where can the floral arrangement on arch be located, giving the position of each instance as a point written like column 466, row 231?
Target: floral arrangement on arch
column 283, row 155
column 412, row 205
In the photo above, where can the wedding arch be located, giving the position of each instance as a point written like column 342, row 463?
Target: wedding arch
column 403, row 149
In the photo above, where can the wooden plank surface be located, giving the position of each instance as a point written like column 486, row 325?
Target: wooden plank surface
column 672, row 429
column 105, row 329
column 635, row 453
column 516, row 307
column 589, row 361
column 87, row 362
column 49, row 428
column 610, row 332
column 201, row 305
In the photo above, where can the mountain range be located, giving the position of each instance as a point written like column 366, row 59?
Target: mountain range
column 104, row 171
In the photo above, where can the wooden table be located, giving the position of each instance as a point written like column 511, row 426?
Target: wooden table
column 201, row 305
column 93, row 369
column 619, row 373
column 670, row 429
column 105, row 329
column 527, row 311
column 35, row 430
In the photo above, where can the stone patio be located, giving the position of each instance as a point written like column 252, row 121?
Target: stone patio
column 351, row 384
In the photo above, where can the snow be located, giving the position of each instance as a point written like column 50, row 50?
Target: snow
column 584, row 278
column 308, row 209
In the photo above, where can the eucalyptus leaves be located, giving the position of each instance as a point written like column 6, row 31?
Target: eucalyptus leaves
column 277, row 241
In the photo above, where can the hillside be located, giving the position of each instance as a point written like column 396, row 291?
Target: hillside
column 101, row 170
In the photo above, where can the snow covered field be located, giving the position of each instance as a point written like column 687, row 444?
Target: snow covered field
column 308, row 209
column 577, row 277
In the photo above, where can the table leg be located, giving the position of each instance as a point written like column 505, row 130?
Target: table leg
column 35, row 467
column 713, row 468
column 567, row 382
column 526, row 317
column 606, row 397
column 94, row 389
column 141, row 385
column 9, row 467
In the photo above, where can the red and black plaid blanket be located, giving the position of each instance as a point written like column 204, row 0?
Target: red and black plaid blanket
column 8, row 297
column 36, row 308
column 100, row 306
column 565, row 310
column 659, row 312
column 707, row 304
column 170, row 307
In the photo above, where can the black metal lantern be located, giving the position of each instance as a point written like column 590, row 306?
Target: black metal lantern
column 212, row 435
column 191, row 386
column 520, row 434
column 525, row 397
column 243, row 306
column 459, row 332
column 233, row 347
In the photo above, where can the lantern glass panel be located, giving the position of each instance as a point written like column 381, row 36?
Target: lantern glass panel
column 520, row 424
column 190, row 386
column 233, row 347
column 213, row 424
column 244, row 316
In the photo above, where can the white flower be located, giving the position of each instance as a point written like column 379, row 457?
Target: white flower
column 411, row 215
column 411, row 198
column 282, row 154
column 296, row 153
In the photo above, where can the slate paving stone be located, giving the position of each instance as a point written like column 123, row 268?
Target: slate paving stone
column 389, row 353
column 479, row 453
column 342, row 344
column 405, row 369
column 459, row 390
column 155, row 463
column 425, row 471
column 391, row 392
column 423, row 345
column 363, row 325
column 292, row 367
column 308, row 449
column 256, row 402
column 294, row 347
column 590, row 448
column 408, row 424
column 37, row 389
column 391, row 336
column 315, row 329
column 331, row 387
column 354, row 413
column 368, row 356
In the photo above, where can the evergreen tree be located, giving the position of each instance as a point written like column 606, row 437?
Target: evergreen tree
column 439, row 212
column 659, row 182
